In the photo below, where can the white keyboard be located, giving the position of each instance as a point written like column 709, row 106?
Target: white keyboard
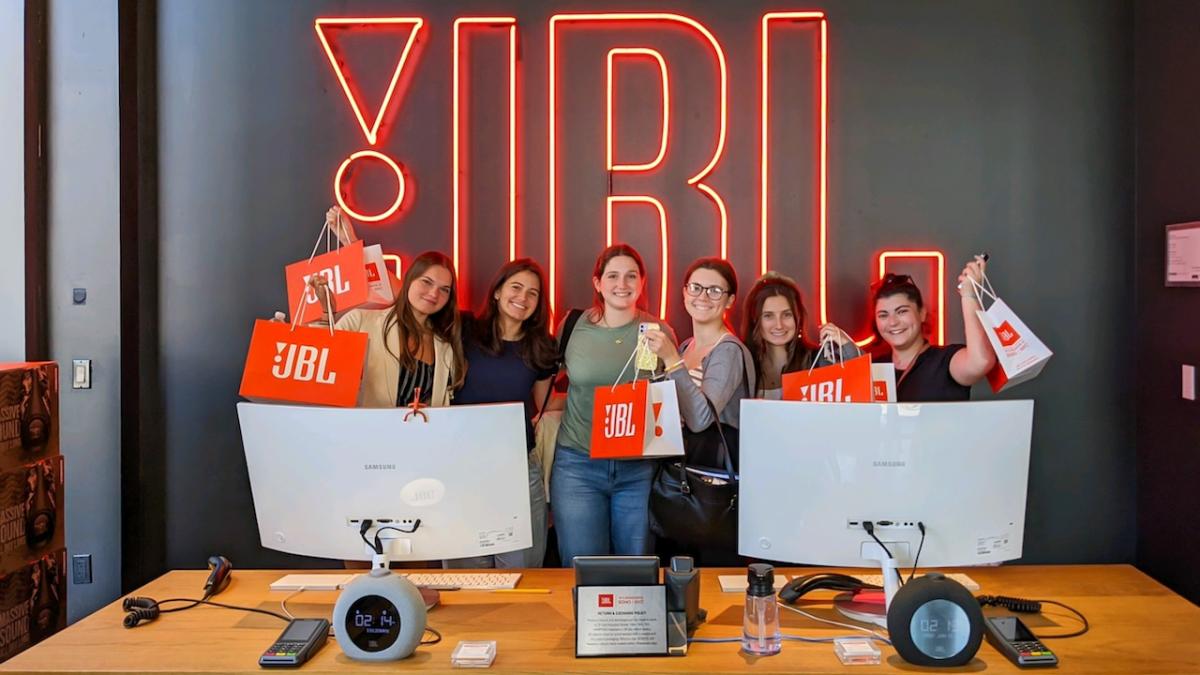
column 877, row 579
column 470, row 581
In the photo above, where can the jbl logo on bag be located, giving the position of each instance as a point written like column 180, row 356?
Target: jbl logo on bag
column 847, row 382
column 618, row 421
column 303, row 364
column 344, row 269
column 824, row 392
column 1007, row 334
column 372, row 274
column 333, row 275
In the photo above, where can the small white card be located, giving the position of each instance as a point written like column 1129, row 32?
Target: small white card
column 621, row 621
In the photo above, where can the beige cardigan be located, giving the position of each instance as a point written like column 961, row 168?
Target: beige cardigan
column 381, row 373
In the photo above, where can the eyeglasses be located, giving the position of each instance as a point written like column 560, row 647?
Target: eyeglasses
column 713, row 292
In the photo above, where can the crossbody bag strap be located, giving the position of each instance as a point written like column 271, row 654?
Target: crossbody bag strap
column 568, row 328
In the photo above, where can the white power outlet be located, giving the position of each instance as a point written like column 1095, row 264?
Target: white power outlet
column 1189, row 383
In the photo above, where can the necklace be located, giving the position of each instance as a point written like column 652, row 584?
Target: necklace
column 604, row 321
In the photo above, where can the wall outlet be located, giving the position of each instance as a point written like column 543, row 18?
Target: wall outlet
column 1189, row 383
column 81, row 568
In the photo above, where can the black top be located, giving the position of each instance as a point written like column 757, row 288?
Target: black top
column 500, row 378
column 930, row 379
column 411, row 379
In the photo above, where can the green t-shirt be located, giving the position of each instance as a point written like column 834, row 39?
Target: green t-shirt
column 594, row 358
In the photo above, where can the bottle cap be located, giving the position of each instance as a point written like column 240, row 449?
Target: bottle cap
column 760, row 578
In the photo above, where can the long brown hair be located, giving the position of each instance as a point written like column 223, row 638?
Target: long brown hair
column 801, row 350
column 445, row 322
column 537, row 348
column 616, row 251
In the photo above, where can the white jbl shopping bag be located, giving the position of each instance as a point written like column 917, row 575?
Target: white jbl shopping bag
column 1020, row 355
column 379, row 283
column 668, row 427
column 883, row 382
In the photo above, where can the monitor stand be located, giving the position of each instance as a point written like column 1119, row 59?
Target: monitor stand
column 866, row 610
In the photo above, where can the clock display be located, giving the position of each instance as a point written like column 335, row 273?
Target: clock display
column 940, row 629
column 372, row 623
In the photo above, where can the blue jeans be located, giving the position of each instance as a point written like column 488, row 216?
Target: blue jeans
column 525, row 558
column 601, row 506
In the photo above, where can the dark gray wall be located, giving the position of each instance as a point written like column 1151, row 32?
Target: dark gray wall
column 962, row 126
column 1167, row 320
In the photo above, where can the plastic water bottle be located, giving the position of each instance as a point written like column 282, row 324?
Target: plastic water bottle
column 760, row 624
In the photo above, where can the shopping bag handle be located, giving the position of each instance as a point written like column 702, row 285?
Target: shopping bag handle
column 327, row 231
column 300, row 307
column 982, row 289
column 835, row 353
column 638, row 344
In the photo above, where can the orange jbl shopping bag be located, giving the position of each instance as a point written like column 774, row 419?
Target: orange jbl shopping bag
column 636, row 420
column 845, row 382
column 303, row 364
column 346, row 273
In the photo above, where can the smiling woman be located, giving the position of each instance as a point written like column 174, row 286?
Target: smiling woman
column 774, row 331
column 602, row 506
column 925, row 372
column 511, row 358
column 414, row 348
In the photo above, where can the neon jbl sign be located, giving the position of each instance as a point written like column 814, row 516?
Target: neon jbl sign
column 413, row 33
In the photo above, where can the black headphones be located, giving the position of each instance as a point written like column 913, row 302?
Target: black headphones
column 144, row 610
column 823, row 581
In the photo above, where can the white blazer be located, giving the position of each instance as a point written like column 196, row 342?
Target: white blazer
column 381, row 373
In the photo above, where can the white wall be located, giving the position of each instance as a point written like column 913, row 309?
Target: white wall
column 84, row 228
column 12, row 180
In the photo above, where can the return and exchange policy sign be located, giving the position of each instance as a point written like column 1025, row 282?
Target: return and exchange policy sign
column 621, row 621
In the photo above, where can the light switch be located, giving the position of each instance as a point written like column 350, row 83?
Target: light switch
column 81, row 374
column 1189, row 383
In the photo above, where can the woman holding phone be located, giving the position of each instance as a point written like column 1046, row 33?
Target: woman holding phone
column 925, row 372
column 511, row 358
column 774, row 331
column 602, row 506
column 713, row 366
column 712, row 371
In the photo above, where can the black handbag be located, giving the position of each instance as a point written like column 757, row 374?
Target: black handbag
column 693, row 499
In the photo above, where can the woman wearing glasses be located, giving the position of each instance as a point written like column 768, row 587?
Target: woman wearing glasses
column 713, row 372
column 774, row 331
column 712, row 366
column 925, row 372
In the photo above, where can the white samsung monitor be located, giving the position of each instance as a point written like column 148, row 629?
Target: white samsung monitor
column 811, row 473
column 316, row 473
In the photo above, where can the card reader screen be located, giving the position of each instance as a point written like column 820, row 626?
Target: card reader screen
column 299, row 631
column 1012, row 629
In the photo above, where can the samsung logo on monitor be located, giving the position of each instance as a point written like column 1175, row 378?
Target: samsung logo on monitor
column 889, row 463
column 379, row 467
